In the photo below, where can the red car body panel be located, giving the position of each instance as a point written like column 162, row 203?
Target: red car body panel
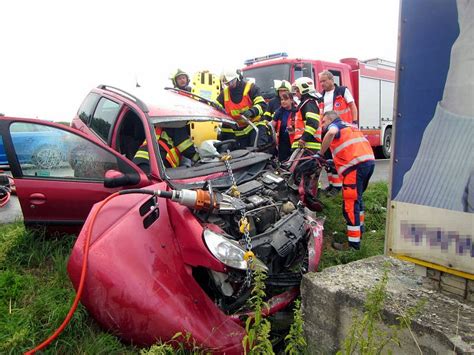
column 138, row 284
column 61, row 203
column 189, row 230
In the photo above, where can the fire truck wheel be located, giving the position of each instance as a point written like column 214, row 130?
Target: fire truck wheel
column 387, row 143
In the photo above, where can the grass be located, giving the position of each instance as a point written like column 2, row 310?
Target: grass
column 375, row 199
column 36, row 294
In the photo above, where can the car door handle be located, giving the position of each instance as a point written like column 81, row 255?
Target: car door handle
column 37, row 198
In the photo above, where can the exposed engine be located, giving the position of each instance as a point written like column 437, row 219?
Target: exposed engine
column 279, row 231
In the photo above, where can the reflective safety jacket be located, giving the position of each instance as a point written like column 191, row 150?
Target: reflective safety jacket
column 349, row 147
column 243, row 97
column 295, row 126
column 309, row 113
column 172, row 153
column 339, row 104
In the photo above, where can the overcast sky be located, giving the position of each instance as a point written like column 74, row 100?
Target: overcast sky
column 53, row 52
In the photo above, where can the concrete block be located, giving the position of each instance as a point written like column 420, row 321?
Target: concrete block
column 452, row 291
column 430, row 284
column 433, row 274
column 331, row 298
column 420, row 270
column 470, row 286
column 470, row 290
column 453, row 281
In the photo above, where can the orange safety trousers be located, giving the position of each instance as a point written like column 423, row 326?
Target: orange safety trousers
column 354, row 184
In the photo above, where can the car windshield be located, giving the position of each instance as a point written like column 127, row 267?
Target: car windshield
column 264, row 76
column 201, row 162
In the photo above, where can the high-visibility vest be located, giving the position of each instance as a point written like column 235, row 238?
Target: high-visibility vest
column 350, row 147
column 165, row 141
column 300, row 128
column 295, row 125
column 236, row 109
column 172, row 153
column 339, row 104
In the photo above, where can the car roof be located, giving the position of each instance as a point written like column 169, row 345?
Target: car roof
column 164, row 103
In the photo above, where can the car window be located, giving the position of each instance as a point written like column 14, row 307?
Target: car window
column 50, row 152
column 22, row 127
column 87, row 107
column 104, row 117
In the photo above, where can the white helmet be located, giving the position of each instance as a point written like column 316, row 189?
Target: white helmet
column 284, row 85
column 305, row 85
column 230, row 74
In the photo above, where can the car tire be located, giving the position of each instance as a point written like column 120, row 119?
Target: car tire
column 387, row 143
column 46, row 156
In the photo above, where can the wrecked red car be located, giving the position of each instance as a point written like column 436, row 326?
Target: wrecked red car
column 171, row 252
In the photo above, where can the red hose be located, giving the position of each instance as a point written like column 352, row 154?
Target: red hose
column 4, row 200
column 81, row 282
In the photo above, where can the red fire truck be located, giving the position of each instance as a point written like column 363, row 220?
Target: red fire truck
column 371, row 82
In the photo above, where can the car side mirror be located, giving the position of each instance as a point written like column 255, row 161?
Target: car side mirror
column 114, row 178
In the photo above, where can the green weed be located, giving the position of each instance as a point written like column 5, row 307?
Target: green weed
column 365, row 335
column 257, row 339
column 295, row 341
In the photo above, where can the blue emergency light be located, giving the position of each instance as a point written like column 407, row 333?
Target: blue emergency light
column 266, row 57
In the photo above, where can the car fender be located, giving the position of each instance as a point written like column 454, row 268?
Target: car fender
column 137, row 284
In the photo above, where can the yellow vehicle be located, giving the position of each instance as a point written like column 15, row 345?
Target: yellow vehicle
column 207, row 85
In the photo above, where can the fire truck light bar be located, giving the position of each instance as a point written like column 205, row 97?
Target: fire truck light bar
column 266, row 57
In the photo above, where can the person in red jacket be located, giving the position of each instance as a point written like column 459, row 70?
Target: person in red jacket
column 354, row 162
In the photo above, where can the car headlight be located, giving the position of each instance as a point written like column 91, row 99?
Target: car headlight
column 229, row 252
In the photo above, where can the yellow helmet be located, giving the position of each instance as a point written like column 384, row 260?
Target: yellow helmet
column 304, row 84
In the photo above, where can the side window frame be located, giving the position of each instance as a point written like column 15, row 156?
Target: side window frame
column 110, row 122
column 87, row 108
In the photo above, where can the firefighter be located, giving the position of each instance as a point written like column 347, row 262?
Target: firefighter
column 354, row 161
column 180, row 80
column 176, row 149
column 274, row 104
column 287, row 121
column 309, row 110
column 339, row 99
column 242, row 98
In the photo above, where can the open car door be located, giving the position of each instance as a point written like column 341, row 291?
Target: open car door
column 60, row 173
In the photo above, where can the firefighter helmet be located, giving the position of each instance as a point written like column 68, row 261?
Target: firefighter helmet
column 177, row 73
column 230, row 74
column 284, row 85
column 305, row 85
